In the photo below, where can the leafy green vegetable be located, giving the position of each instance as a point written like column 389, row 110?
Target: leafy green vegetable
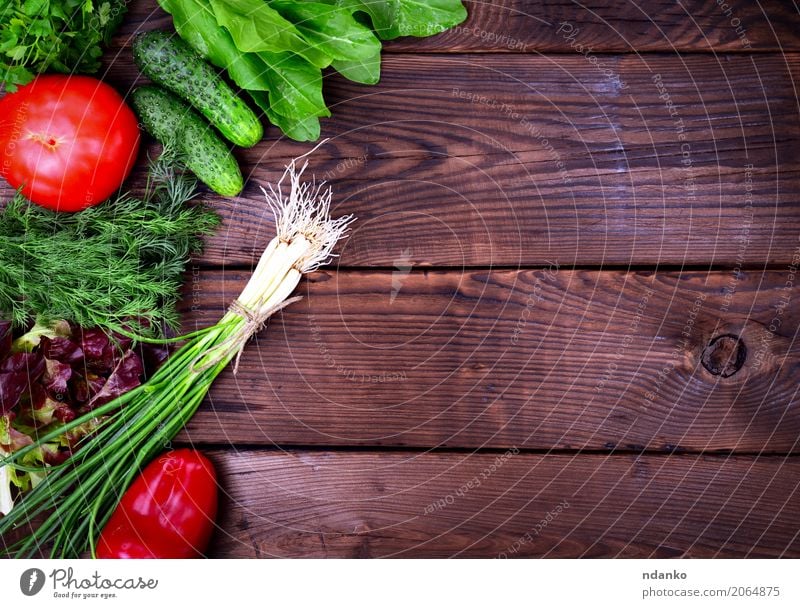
column 51, row 375
column 255, row 26
column 275, row 49
column 195, row 22
column 77, row 499
column 306, row 129
column 61, row 35
column 419, row 18
column 365, row 71
column 331, row 29
column 117, row 266
column 14, row 477
column 295, row 86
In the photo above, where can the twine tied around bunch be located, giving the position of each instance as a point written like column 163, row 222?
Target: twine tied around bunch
column 254, row 323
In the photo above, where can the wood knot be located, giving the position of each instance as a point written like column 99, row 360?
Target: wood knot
column 724, row 355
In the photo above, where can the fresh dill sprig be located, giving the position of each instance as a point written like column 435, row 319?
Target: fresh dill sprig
column 66, row 511
column 118, row 265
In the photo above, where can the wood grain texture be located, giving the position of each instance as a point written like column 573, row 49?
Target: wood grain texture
column 536, row 359
column 477, row 160
column 548, row 133
column 340, row 504
column 602, row 25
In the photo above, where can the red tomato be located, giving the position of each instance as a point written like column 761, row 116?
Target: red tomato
column 68, row 141
column 167, row 513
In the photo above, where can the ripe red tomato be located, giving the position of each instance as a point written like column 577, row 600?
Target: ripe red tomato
column 167, row 513
column 68, row 141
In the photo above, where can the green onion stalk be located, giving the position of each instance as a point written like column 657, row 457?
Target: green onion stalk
column 66, row 511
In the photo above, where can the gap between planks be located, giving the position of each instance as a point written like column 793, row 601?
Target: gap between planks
column 425, row 269
column 358, row 449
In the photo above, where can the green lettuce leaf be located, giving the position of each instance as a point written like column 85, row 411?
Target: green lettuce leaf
column 195, row 22
column 256, row 27
column 382, row 13
column 420, row 18
column 295, row 86
column 275, row 49
column 284, row 85
column 307, row 129
column 366, row 71
column 331, row 29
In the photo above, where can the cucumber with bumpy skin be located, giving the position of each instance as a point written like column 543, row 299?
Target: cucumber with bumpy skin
column 170, row 62
column 173, row 122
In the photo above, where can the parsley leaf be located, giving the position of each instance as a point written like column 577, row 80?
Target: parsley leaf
column 59, row 35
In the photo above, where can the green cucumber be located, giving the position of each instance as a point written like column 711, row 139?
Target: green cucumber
column 170, row 62
column 172, row 122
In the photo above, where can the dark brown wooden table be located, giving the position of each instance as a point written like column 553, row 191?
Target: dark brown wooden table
column 566, row 322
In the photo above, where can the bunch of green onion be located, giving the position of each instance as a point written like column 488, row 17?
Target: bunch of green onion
column 75, row 499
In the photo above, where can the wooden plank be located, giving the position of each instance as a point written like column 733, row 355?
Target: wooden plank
column 368, row 504
column 599, row 25
column 514, row 160
column 546, row 359
column 469, row 160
